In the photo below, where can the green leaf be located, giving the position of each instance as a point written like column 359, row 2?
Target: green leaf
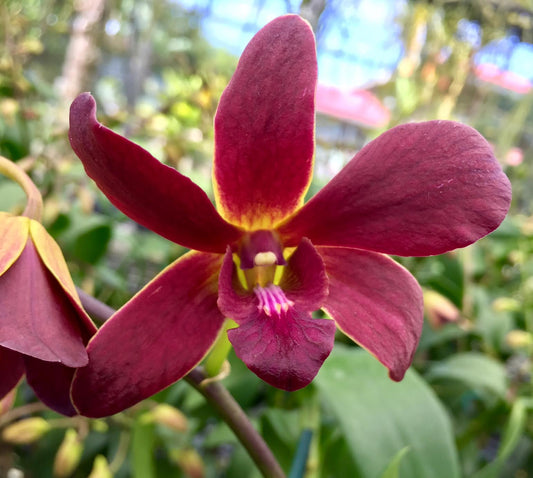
column 477, row 371
column 511, row 436
column 87, row 238
column 142, row 450
column 335, row 454
column 91, row 244
column 281, row 430
column 393, row 469
column 493, row 327
column 379, row 417
column 433, row 338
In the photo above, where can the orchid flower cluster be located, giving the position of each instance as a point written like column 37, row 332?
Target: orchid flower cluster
column 261, row 262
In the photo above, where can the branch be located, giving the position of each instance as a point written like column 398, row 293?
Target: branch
column 95, row 308
column 231, row 412
column 219, row 398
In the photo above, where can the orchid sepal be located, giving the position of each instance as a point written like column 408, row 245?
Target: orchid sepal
column 138, row 184
column 182, row 298
column 257, row 121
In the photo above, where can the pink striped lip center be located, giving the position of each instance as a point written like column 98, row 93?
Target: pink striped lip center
column 272, row 300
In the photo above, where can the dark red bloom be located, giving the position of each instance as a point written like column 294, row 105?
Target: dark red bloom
column 267, row 259
column 43, row 327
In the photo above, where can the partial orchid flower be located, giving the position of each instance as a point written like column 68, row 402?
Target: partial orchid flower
column 264, row 258
column 43, row 327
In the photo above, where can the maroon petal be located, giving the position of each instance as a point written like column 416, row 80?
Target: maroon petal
column 51, row 383
column 285, row 351
column 304, row 279
column 52, row 257
column 154, row 339
column 36, row 316
column 12, row 370
column 375, row 302
column 418, row 189
column 234, row 300
column 151, row 193
column 264, row 126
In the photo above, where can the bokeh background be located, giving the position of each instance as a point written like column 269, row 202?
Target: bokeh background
column 157, row 69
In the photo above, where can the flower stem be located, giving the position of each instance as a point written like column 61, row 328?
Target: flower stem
column 97, row 309
column 219, row 398
column 34, row 205
column 224, row 403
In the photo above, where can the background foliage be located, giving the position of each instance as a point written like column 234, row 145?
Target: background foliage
column 465, row 407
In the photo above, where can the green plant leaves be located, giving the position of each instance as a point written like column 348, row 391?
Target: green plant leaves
column 393, row 469
column 511, row 435
column 476, row 371
column 142, row 445
column 379, row 418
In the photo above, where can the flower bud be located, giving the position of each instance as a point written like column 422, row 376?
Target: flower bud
column 506, row 304
column 99, row 426
column 168, row 416
column 101, row 468
column 190, row 462
column 439, row 310
column 517, row 339
column 25, row 431
column 68, row 455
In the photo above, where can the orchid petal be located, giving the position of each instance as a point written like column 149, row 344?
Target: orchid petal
column 154, row 339
column 375, row 302
column 36, row 317
column 149, row 192
column 304, row 279
column 12, row 366
column 279, row 341
column 13, row 238
column 286, row 351
column 264, row 127
column 234, row 301
column 418, row 189
column 52, row 257
column 51, row 383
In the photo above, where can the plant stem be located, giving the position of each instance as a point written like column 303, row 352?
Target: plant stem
column 224, row 403
column 96, row 309
column 34, row 205
column 219, row 398
column 21, row 411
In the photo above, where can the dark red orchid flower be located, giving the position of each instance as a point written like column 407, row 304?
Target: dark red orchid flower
column 265, row 259
column 43, row 327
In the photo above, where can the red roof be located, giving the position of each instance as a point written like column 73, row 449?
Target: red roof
column 506, row 79
column 357, row 106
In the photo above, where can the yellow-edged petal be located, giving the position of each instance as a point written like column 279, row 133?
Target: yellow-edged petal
column 13, row 237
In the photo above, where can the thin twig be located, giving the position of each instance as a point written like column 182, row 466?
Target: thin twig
column 22, row 411
column 231, row 412
column 219, row 398
column 95, row 308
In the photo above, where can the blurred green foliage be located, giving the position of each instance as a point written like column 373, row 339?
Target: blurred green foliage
column 464, row 409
